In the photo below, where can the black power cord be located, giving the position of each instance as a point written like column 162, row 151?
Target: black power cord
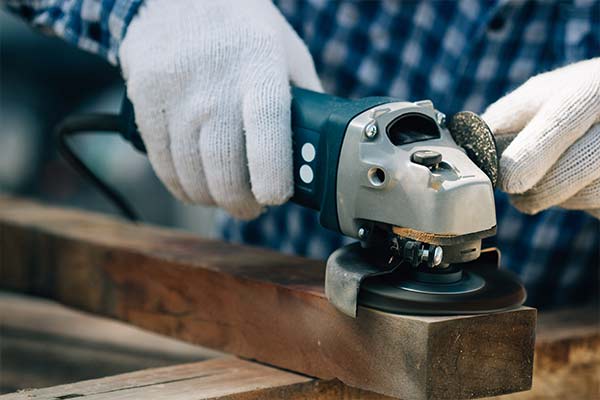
column 93, row 123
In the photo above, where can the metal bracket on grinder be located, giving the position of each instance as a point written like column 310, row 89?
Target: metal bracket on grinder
column 347, row 267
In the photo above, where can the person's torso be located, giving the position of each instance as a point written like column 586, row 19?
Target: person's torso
column 461, row 55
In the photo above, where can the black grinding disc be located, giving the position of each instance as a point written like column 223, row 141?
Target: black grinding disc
column 501, row 291
column 480, row 288
column 472, row 134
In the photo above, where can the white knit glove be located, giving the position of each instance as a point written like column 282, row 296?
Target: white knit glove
column 209, row 81
column 555, row 159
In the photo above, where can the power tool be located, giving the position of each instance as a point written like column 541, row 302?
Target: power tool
column 415, row 190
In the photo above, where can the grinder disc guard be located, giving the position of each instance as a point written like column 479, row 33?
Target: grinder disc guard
column 469, row 288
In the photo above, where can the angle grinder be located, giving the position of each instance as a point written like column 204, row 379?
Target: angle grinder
column 414, row 189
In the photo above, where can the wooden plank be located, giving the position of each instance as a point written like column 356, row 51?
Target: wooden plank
column 35, row 314
column 567, row 360
column 221, row 378
column 43, row 343
column 567, row 356
column 257, row 304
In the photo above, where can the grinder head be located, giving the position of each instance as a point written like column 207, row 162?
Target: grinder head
column 420, row 203
column 365, row 276
column 412, row 178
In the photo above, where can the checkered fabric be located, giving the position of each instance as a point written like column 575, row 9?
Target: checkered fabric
column 97, row 26
column 460, row 54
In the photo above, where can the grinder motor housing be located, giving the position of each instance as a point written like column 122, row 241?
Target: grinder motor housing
column 381, row 161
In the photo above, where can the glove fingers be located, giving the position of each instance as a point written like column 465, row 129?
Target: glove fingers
column 587, row 198
column 154, row 132
column 224, row 155
column 188, row 159
column 511, row 113
column 559, row 123
column 267, row 121
column 161, row 160
column 300, row 63
column 570, row 174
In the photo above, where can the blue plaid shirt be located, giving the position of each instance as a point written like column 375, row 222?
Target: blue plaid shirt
column 461, row 55
column 97, row 26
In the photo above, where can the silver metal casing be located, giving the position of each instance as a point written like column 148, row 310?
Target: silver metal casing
column 454, row 199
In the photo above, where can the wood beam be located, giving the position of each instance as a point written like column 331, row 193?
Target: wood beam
column 227, row 378
column 256, row 304
column 566, row 366
column 43, row 344
column 567, row 356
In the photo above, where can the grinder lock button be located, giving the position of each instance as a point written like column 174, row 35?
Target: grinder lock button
column 427, row 158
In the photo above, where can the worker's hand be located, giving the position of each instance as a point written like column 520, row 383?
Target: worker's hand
column 209, row 81
column 555, row 158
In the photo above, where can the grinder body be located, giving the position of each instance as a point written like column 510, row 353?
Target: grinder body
column 319, row 123
column 390, row 173
column 356, row 180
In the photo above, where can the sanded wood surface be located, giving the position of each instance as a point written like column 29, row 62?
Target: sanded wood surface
column 257, row 304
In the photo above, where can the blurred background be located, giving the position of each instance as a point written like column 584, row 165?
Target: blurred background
column 42, row 80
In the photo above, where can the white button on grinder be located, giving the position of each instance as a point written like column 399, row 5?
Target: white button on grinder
column 306, row 174
column 308, row 152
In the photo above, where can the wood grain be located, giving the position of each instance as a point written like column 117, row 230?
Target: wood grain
column 222, row 378
column 226, row 378
column 566, row 367
column 567, row 356
column 257, row 304
column 43, row 343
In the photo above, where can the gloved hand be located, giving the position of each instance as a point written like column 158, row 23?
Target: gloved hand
column 209, row 82
column 555, row 158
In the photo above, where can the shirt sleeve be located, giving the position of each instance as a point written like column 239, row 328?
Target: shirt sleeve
column 97, row 26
